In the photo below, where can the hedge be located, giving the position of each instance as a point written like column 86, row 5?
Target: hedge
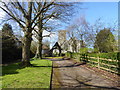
column 111, row 55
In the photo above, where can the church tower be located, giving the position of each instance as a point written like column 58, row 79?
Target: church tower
column 61, row 37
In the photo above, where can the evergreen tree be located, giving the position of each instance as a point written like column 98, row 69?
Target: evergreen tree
column 7, row 29
column 105, row 41
column 10, row 51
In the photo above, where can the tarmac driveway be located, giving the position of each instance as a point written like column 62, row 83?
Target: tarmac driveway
column 67, row 74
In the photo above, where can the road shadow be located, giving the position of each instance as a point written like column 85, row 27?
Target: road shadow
column 65, row 59
column 54, row 59
column 69, row 65
column 57, row 59
column 90, row 86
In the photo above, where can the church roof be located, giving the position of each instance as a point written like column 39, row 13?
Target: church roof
column 56, row 45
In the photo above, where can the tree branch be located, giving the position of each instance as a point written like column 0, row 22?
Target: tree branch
column 12, row 15
column 5, row 20
column 21, row 9
column 41, row 12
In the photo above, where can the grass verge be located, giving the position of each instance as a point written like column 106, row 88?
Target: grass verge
column 37, row 76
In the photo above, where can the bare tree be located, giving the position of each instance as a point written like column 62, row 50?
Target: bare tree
column 22, row 13
column 94, row 30
column 54, row 10
column 78, row 31
column 72, row 39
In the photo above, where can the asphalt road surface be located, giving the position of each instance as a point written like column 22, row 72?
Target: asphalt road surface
column 67, row 74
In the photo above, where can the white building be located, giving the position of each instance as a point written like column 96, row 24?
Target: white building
column 72, row 45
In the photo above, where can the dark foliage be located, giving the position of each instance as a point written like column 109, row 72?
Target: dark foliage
column 105, row 41
column 10, row 52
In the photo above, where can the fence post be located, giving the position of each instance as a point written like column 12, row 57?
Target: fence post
column 98, row 61
column 118, row 58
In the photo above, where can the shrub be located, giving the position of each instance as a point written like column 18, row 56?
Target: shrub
column 62, row 54
column 111, row 55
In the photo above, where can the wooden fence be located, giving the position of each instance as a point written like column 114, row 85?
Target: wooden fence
column 105, row 64
column 101, row 63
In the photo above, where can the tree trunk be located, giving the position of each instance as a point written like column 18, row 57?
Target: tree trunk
column 40, row 44
column 39, row 49
column 37, row 55
column 26, row 49
column 27, row 38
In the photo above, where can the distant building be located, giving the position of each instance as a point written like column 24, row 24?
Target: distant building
column 62, row 37
column 72, row 45
column 56, row 50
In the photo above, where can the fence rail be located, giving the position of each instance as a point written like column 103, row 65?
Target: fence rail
column 105, row 59
column 102, row 64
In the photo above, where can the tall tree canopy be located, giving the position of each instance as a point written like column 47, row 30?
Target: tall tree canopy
column 7, row 29
column 105, row 41
column 10, row 51
column 21, row 12
column 54, row 11
column 28, row 15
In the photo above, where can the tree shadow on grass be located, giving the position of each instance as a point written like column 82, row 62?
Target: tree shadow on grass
column 36, row 65
column 10, row 69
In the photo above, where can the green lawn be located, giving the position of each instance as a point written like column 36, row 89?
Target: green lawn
column 29, row 77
